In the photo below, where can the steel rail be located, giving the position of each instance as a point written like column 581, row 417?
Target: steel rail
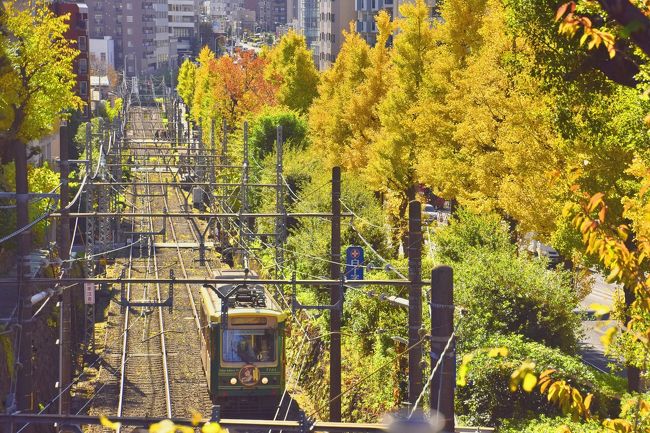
column 180, row 258
column 202, row 214
column 135, row 164
column 235, row 424
column 168, row 399
column 269, row 185
column 198, row 280
column 125, row 337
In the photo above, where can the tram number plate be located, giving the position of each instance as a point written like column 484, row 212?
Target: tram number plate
column 89, row 293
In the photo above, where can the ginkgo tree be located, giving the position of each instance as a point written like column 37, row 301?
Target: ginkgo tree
column 392, row 156
column 291, row 68
column 187, row 82
column 37, row 85
column 331, row 125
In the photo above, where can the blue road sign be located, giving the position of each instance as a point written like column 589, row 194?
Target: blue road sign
column 354, row 263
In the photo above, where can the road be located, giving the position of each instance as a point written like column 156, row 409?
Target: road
column 592, row 349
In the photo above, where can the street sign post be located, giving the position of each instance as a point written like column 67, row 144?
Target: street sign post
column 89, row 293
column 354, row 263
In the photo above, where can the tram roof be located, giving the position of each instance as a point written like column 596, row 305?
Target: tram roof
column 213, row 302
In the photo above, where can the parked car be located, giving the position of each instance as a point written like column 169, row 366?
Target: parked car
column 429, row 214
column 538, row 249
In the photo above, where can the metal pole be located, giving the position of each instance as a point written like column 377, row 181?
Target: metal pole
column 415, row 301
column 442, row 328
column 213, row 162
column 65, row 330
column 280, row 222
column 224, row 225
column 243, row 222
column 89, row 311
column 24, row 385
column 336, row 295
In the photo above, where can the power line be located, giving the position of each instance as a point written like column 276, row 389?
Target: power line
column 433, row 373
column 369, row 245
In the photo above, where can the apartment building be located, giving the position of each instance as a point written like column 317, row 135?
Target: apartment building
column 366, row 11
column 140, row 30
column 334, row 17
column 270, row 14
column 77, row 33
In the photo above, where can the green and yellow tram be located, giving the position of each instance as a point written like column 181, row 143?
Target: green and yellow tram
column 244, row 358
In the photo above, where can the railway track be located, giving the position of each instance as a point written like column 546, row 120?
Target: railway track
column 144, row 373
column 151, row 365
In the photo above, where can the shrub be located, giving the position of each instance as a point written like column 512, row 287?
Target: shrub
column 502, row 291
column 468, row 232
column 487, row 399
column 545, row 424
column 264, row 131
column 508, row 294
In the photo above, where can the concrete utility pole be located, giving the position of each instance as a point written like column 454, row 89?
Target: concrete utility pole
column 24, row 389
column 279, row 204
column 65, row 331
column 415, row 301
column 442, row 328
column 336, row 295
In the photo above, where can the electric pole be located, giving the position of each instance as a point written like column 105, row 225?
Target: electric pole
column 336, row 295
column 24, row 388
column 279, row 204
column 442, row 329
column 415, row 301
column 65, row 343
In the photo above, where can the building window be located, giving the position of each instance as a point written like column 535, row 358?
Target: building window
column 82, row 43
column 83, row 88
column 83, row 66
column 129, row 18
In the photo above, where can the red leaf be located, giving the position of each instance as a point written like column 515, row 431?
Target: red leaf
column 562, row 10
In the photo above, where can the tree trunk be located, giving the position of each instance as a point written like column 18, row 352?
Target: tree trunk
column 633, row 372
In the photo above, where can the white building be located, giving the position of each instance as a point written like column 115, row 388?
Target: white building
column 102, row 53
column 183, row 24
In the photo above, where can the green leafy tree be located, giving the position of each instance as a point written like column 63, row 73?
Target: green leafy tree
column 38, row 85
column 291, row 68
column 113, row 111
column 40, row 180
column 485, row 398
column 505, row 292
column 263, row 134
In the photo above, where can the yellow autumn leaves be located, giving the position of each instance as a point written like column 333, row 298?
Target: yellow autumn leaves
column 168, row 426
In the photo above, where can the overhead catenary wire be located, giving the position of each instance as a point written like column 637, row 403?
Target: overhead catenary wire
column 369, row 245
column 433, row 373
column 367, row 376
column 366, row 220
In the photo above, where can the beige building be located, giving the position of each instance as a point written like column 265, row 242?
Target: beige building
column 334, row 17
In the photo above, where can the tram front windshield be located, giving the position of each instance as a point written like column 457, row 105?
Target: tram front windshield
column 249, row 345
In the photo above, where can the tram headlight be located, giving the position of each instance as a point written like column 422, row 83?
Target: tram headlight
column 233, row 381
column 265, row 381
